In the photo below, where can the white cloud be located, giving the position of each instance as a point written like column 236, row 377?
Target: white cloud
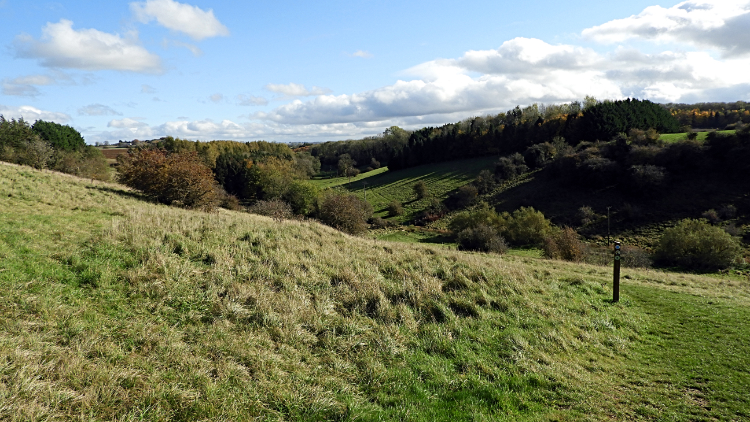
column 296, row 90
column 63, row 47
column 251, row 100
column 146, row 89
column 716, row 24
column 362, row 53
column 180, row 17
column 217, row 98
column 521, row 71
column 26, row 85
column 32, row 114
column 98, row 110
column 126, row 123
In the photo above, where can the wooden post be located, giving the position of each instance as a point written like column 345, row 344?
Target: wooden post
column 616, row 278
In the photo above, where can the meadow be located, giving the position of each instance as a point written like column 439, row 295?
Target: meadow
column 674, row 137
column 114, row 308
column 383, row 187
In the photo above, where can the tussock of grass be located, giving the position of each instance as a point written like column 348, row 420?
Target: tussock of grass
column 117, row 309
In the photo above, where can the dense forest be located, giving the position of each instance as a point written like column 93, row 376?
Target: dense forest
column 520, row 128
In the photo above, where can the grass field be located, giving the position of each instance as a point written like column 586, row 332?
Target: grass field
column 673, row 137
column 112, row 308
column 384, row 186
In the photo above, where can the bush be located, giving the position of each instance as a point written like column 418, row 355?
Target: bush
column 170, row 178
column 696, row 244
column 344, row 212
column 485, row 182
column 527, row 226
column 394, row 209
column 274, row 208
column 510, row 167
column 464, row 196
column 435, row 211
column 587, row 215
column 482, row 238
column 420, row 189
column 564, row 244
column 87, row 162
column 301, row 196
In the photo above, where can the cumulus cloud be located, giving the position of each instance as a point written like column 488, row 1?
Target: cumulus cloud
column 61, row 46
column 190, row 20
column 126, row 123
column 521, row 71
column 296, row 90
column 216, row 98
column 251, row 100
column 26, row 86
column 98, row 110
column 705, row 23
column 32, row 114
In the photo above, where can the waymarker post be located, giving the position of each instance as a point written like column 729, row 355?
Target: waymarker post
column 616, row 281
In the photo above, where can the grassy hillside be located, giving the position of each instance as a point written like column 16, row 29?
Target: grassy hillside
column 673, row 137
column 385, row 186
column 117, row 309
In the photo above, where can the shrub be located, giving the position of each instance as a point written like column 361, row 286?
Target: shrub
column 526, row 226
column 587, row 215
column 274, row 208
column 485, row 182
column 380, row 223
column 697, row 244
column 539, row 155
column 87, row 162
column 464, row 196
column 510, row 167
column 728, row 212
column 712, row 216
column 395, row 208
column 482, row 238
column 420, row 189
column 301, row 196
column 482, row 215
column 344, row 212
column 645, row 179
column 564, row 244
column 435, row 211
column 171, row 178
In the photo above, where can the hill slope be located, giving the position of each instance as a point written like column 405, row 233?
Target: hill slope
column 117, row 309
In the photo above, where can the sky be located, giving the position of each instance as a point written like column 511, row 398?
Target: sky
column 294, row 71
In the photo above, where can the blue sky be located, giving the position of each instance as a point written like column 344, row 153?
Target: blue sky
column 330, row 70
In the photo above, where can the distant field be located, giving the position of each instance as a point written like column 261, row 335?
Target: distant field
column 385, row 186
column 673, row 137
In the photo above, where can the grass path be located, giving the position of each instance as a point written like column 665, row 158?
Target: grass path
column 694, row 362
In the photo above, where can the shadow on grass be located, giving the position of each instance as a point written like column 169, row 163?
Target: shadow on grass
column 123, row 193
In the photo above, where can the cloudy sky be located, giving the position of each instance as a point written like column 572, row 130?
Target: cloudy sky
column 330, row 70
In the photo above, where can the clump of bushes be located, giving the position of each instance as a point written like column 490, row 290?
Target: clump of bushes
column 510, row 167
column 344, row 212
column 170, row 178
column 274, row 208
column 698, row 245
column 481, row 238
column 50, row 145
column 394, row 209
column 564, row 244
column 420, row 189
column 524, row 227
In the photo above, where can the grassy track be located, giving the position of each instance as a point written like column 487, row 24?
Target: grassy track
column 112, row 308
column 386, row 186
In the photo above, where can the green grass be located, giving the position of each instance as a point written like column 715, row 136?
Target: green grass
column 386, row 186
column 674, row 137
column 113, row 308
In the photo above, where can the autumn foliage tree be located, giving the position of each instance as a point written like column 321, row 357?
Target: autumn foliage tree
column 171, row 178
